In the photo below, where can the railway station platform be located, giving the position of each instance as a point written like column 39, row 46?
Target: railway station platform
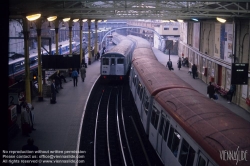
column 198, row 84
column 57, row 125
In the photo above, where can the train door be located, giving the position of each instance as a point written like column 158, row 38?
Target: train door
column 162, row 136
column 154, row 119
column 112, row 66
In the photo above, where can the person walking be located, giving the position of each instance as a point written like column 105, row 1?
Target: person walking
column 194, row 70
column 210, row 90
column 53, row 92
column 75, row 76
column 83, row 73
column 179, row 63
column 230, row 93
column 169, row 64
column 31, row 147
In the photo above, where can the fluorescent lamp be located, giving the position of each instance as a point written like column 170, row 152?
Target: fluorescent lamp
column 92, row 20
column 221, row 20
column 66, row 19
column 179, row 20
column 172, row 21
column 99, row 20
column 84, row 20
column 194, row 19
column 52, row 18
column 104, row 20
column 75, row 20
column 33, row 17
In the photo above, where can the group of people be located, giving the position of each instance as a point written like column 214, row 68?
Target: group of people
column 170, row 65
column 229, row 95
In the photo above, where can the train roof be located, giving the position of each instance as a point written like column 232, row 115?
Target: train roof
column 122, row 47
column 139, row 42
column 211, row 125
column 143, row 53
column 156, row 77
column 117, row 38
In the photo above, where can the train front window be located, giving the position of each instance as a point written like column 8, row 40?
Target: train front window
column 105, row 61
column 120, row 61
column 187, row 154
column 173, row 141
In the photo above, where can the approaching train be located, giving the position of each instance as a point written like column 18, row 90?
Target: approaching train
column 185, row 127
column 115, row 63
column 17, row 67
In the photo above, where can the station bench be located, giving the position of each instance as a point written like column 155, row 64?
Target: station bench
column 222, row 92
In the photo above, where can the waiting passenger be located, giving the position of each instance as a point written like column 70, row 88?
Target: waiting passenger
column 179, row 63
column 194, row 71
column 53, row 92
column 83, row 73
column 75, row 76
column 230, row 93
column 62, row 77
column 210, row 90
column 169, row 64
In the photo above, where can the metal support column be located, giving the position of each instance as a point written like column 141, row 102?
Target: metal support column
column 56, row 31
column 70, row 39
column 89, row 25
column 27, row 63
column 96, row 37
column 40, row 87
column 81, row 56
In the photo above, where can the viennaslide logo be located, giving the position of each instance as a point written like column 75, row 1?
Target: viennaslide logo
column 235, row 155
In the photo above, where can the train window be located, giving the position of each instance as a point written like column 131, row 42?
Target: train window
column 105, row 61
column 173, row 141
column 187, row 154
column 139, row 87
column 161, row 125
column 155, row 117
column 166, row 130
column 202, row 161
column 141, row 92
column 120, row 61
column 134, row 79
column 112, row 61
column 146, row 102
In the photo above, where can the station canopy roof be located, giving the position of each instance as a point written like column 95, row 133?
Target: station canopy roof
column 133, row 9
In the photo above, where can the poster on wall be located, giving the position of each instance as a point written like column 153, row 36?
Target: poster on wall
column 223, row 43
column 196, row 36
column 217, row 40
column 228, row 40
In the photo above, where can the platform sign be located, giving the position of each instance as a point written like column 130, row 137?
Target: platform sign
column 13, row 98
column 239, row 74
column 169, row 44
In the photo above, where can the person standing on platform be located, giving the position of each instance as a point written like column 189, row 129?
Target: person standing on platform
column 53, row 92
column 210, row 90
column 31, row 147
column 179, row 63
column 194, row 70
column 230, row 93
column 75, row 76
column 169, row 64
column 25, row 120
column 83, row 73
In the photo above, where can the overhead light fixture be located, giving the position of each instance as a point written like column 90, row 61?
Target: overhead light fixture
column 92, row 20
column 52, row 18
column 66, row 19
column 75, row 20
column 194, row 19
column 165, row 20
column 221, row 20
column 179, row 20
column 104, row 20
column 99, row 20
column 84, row 20
column 33, row 17
column 172, row 21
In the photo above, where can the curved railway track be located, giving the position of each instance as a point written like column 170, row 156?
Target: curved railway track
column 111, row 132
